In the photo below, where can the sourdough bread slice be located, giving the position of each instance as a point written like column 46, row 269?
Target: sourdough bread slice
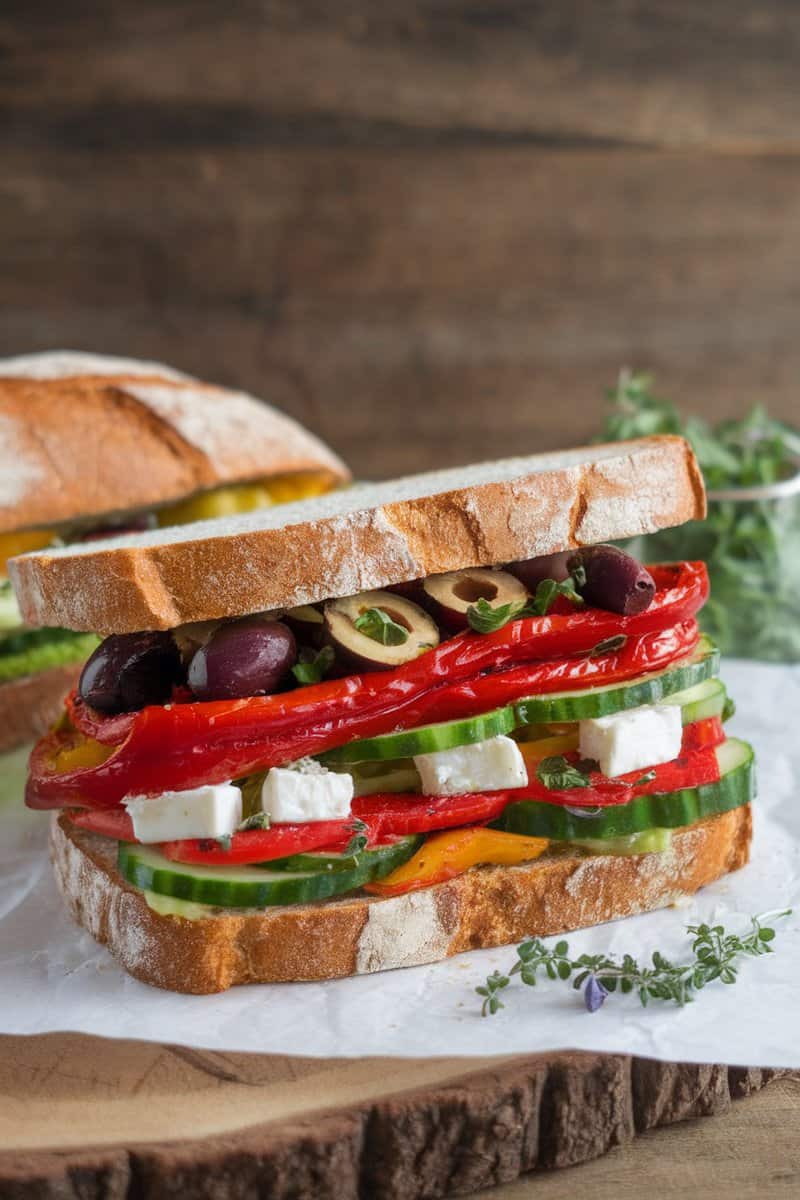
column 487, row 906
column 29, row 706
column 369, row 536
column 88, row 437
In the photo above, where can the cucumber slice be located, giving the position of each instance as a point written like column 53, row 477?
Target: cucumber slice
column 381, row 776
column 615, row 697
column 250, row 887
column 426, row 739
column 706, row 699
column 665, row 810
column 651, row 841
column 378, row 856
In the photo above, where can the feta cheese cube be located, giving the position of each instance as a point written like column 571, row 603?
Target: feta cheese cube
column 630, row 741
column 306, row 791
column 488, row 766
column 212, row 811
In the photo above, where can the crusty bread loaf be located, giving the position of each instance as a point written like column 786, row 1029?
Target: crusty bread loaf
column 369, row 536
column 85, row 437
column 31, row 704
column 487, row 906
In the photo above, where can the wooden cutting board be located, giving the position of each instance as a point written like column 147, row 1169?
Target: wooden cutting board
column 84, row 1117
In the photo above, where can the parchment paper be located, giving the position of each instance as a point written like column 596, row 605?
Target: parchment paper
column 54, row 977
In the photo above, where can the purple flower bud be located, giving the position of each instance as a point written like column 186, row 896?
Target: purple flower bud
column 594, row 994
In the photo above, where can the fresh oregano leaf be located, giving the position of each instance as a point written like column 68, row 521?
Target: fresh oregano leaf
column 313, row 666
column 376, row 624
column 558, row 775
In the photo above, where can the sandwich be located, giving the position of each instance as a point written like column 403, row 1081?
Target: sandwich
column 375, row 728
column 92, row 445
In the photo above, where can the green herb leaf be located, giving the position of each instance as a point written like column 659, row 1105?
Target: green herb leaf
column 609, row 646
column 358, row 841
column 483, row 618
column 752, row 547
column 376, row 623
column 258, row 820
column 714, row 956
column 548, row 591
column 313, row 666
column 648, row 777
column 557, row 774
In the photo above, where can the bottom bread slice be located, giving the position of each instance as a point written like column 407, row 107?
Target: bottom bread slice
column 487, row 906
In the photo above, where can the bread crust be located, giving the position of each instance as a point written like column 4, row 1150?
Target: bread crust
column 93, row 438
column 30, row 705
column 487, row 906
column 368, row 537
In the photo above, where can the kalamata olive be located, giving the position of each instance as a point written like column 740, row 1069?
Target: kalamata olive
column 357, row 634
column 614, row 580
column 251, row 657
column 532, row 571
column 131, row 670
column 450, row 595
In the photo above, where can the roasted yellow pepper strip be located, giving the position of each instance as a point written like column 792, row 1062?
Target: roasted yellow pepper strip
column 84, row 752
column 244, row 497
column 21, row 543
column 445, row 855
column 534, row 752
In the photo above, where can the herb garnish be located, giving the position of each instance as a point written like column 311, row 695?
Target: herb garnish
column 358, row 841
column 648, row 777
column 257, row 820
column 558, row 775
column 609, row 646
column 483, row 618
column 224, row 842
column 752, row 547
column 312, row 666
column 714, row 957
column 376, row 623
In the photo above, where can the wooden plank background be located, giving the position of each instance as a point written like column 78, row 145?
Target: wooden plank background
column 431, row 230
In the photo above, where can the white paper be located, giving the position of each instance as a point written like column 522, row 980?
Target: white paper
column 54, row 977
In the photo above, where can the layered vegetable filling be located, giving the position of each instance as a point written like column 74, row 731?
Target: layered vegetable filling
column 396, row 739
column 27, row 651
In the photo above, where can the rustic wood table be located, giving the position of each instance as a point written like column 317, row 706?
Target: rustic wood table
column 84, row 1117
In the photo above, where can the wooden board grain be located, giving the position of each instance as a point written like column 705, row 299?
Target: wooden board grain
column 84, row 1117
column 433, row 232
column 417, row 308
column 657, row 72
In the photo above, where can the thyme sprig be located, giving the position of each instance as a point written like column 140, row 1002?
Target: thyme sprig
column 714, row 956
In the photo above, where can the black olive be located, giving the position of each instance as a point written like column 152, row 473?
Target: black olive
column 131, row 670
column 615, row 581
column 251, row 657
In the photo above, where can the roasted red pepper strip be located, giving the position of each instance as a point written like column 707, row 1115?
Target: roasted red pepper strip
column 388, row 814
column 395, row 814
column 692, row 769
column 110, row 822
column 183, row 746
column 708, row 732
column 262, row 845
column 682, row 589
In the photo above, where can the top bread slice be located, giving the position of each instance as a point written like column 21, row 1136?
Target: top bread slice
column 84, row 437
column 368, row 536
